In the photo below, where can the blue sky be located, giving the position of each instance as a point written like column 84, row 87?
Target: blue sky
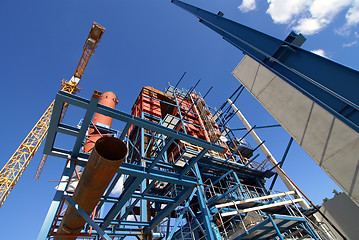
column 146, row 43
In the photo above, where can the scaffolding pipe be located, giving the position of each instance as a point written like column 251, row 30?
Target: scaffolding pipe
column 103, row 163
column 269, row 156
column 286, row 180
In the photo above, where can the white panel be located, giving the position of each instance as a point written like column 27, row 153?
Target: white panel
column 263, row 78
column 331, row 143
column 343, row 167
column 247, row 70
column 316, row 135
column 341, row 136
column 287, row 105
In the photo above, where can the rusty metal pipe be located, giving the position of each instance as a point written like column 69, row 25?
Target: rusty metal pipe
column 104, row 161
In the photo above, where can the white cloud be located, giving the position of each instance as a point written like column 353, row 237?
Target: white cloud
column 117, row 190
column 322, row 13
column 352, row 15
column 309, row 26
column 327, row 9
column 343, row 31
column 312, row 16
column 283, row 11
column 247, row 5
column 320, row 52
column 355, row 42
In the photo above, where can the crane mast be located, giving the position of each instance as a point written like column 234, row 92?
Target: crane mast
column 16, row 165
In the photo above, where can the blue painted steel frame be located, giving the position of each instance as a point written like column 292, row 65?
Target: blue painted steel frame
column 92, row 106
column 87, row 218
column 137, row 174
column 315, row 76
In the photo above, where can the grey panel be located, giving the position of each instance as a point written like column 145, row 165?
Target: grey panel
column 331, row 143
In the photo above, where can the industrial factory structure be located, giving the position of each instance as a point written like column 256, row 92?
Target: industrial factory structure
column 187, row 175
column 175, row 169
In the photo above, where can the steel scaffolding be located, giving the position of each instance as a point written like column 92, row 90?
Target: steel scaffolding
column 187, row 175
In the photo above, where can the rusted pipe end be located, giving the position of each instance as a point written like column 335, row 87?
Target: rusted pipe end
column 111, row 148
column 103, row 163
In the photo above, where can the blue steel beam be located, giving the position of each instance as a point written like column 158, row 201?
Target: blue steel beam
column 315, row 76
column 169, row 208
column 154, row 198
column 206, row 215
column 281, row 162
column 136, row 170
column 87, row 218
column 179, row 111
column 84, row 127
column 62, row 97
column 161, row 153
column 202, row 202
column 197, row 221
column 250, row 130
column 150, row 197
column 143, row 203
column 187, row 94
column 279, row 234
column 55, row 119
column 125, row 130
column 124, row 223
column 193, row 161
column 122, row 199
column 196, row 102
column 179, row 218
column 67, row 129
column 219, row 179
column 307, row 228
column 128, row 193
column 130, row 208
column 50, row 216
column 55, row 126
column 216, row 198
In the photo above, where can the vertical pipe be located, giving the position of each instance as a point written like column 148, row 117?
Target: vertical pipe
column 143, row 185
column 200, row 121
column 279, row 234
column 55, row 204
column 281, row 163
column 179, row 112
column 268, row 155
column 109, row 99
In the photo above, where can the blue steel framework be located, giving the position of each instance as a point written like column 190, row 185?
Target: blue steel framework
column 174, row 183
column 295, row 65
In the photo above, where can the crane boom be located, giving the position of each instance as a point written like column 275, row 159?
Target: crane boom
column 16, row 165
column 93, row 39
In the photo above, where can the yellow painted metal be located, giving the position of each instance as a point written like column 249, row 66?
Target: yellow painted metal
column 16, row 165
column 93, row 39
column 70, row 87
column 18, row 162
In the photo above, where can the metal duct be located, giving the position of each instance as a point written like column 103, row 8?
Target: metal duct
column 104, row 161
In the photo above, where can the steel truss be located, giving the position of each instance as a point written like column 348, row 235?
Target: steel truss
column 171, row 196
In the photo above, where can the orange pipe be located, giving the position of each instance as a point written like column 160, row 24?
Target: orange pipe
column 104, row 161
column 108, row 99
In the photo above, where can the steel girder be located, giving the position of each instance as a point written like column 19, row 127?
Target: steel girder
column 329, row 84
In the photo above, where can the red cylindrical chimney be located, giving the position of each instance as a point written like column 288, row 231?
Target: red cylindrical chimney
column 108, row 99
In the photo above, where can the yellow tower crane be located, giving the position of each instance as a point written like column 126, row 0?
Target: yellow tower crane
column 15, row 166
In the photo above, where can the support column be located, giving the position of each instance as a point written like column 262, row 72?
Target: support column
column 268, row 155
